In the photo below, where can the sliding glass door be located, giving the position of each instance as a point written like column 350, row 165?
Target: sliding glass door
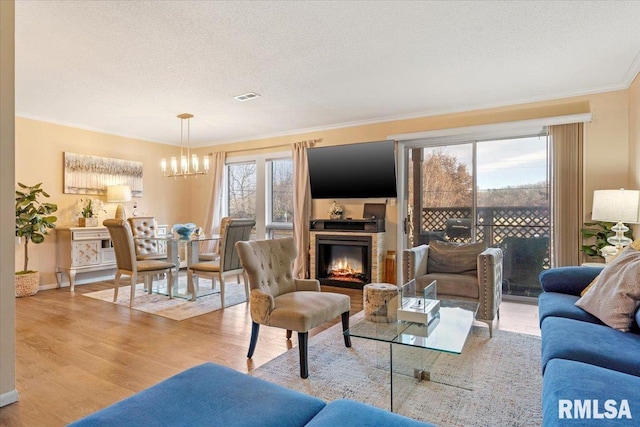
column 494, row 191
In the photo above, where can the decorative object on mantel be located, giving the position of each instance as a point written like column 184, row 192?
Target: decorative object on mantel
column 119, row 194
column 184, row 230
column 189, row 163
column 33, row 218
column 85, row 174
column 88, row 210
column 336, row 211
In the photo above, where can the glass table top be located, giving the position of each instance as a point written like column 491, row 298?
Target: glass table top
column 447, row 332
column 173, row 238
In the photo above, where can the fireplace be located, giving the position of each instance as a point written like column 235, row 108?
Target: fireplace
column 343, row 260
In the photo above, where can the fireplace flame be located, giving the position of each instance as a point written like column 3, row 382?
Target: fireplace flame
column 345, row 269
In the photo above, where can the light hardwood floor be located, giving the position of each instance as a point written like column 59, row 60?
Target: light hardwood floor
column 76, row 355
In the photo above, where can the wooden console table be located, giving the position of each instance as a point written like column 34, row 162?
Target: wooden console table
column 83, row 249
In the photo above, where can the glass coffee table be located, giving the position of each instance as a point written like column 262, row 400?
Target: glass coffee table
column 413, row 348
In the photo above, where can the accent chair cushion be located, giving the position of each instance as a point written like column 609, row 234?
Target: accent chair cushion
column 459, row 285
column 304, row 310
column 615, row 296
column 454, row 258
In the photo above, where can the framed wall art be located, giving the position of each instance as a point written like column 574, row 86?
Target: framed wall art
column 86, row 174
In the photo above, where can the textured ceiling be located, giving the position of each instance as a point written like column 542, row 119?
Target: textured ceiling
column 129, row 67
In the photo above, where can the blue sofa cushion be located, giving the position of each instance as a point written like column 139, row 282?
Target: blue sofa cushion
column 572, row 381
column 554, row 304
column 343, row 412
column 209, row 395
column 594, row 344
column 568, row 280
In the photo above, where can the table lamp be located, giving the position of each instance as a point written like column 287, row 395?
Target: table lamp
column 119, row 194
column 617, row 206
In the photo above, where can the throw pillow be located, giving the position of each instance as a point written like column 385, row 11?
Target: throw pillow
column 615, row 296
column 584, row 291
column 454, row 258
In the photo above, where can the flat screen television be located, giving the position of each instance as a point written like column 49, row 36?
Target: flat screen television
column 353, row 171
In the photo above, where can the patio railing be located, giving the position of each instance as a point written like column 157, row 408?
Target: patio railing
column 523, row 233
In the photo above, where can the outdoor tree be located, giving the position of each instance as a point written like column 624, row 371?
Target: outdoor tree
column 282, row 191
column 446, row 181
column 242, row 190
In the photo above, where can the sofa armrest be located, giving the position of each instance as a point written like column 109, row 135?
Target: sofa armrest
column 307, row 285
column 568, row 280
column 490, row 280
column 414, row 262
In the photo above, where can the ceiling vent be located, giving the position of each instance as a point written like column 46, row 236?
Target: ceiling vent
column 246, row 96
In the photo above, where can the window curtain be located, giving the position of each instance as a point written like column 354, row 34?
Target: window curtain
column 567, row 190
column 301, row 207
column 214, row 215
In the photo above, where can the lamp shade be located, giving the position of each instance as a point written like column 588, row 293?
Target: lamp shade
column 118, row 193
column 616, row 206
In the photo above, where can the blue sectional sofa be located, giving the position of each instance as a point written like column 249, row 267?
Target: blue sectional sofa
column 591, row 372
column 213, row 395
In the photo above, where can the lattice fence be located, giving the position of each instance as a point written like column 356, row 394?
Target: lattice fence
column 523, row 233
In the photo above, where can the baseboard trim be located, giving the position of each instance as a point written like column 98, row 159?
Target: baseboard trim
column 8, row 398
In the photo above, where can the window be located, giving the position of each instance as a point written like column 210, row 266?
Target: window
column 241, row 190
column 280, row 197
column 494, row 190
column 261, row 187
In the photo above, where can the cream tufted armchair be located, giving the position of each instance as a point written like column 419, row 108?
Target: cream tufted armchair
column 280, row 300
column 145, row 226
column 462, row 271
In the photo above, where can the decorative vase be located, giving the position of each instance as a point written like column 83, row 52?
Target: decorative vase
column 184, row 231
column 87, row 222
column 27, row 284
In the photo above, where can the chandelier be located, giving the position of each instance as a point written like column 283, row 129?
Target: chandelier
column 189, row 163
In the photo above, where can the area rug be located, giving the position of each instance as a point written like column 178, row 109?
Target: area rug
column 507, row 380
column 180, row 307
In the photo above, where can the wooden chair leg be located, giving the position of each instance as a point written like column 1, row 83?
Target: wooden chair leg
column 245, row 280
column 221, row 291
column 303, row 342
column 191, row 283
column 289, row 334
column 148, row 283
column 345, row 329
column 255, row 329
column 134, row 280
column 116, row 286
column 169, row 276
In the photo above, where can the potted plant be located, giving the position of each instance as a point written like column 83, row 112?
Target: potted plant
column 33, row 219
column 600, row 231
column 88, row 210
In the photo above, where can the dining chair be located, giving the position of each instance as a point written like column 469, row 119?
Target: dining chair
column 280, row 300
column 146, row 226
column 128, row 265
column 232, row 230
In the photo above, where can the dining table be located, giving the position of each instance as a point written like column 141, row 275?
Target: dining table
column 173, row 243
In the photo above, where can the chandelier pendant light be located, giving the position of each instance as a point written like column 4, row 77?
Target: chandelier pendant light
column 189, row 163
